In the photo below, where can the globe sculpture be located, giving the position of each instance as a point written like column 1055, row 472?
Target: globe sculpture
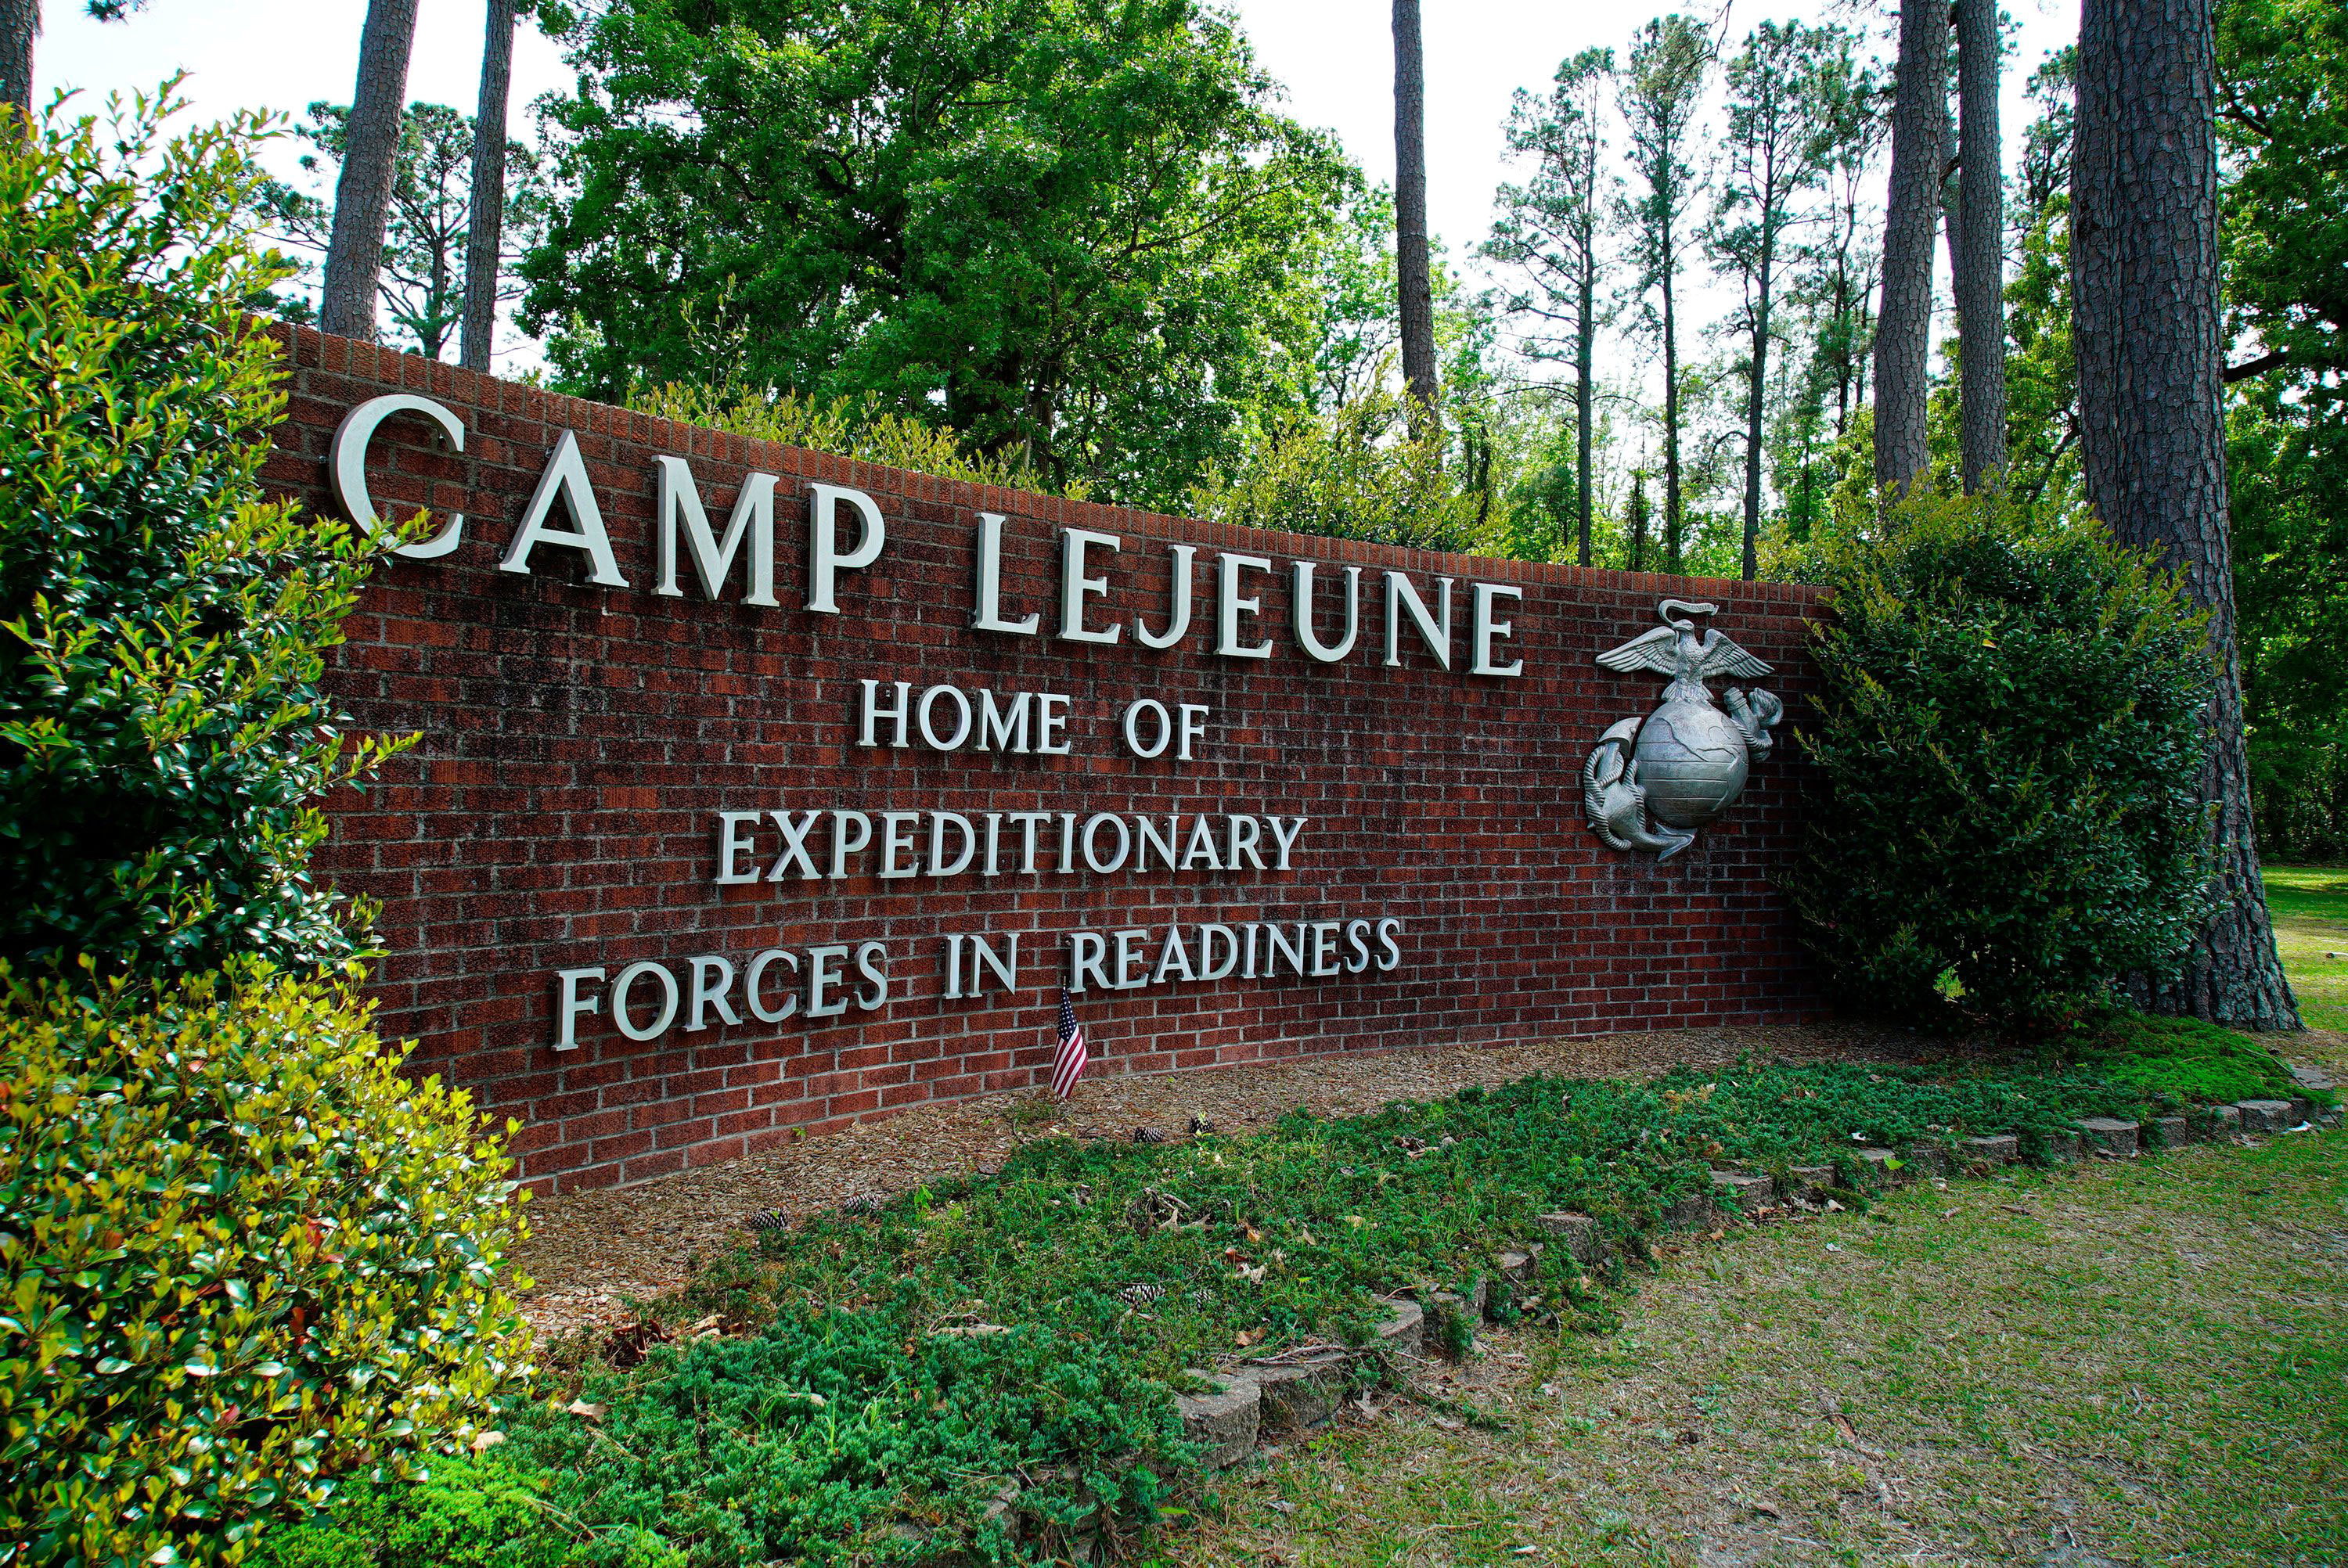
column 1650, row 784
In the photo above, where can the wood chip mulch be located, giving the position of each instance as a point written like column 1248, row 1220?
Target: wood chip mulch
column 592, row 1253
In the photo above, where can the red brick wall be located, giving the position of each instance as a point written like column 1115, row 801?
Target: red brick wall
column 558, row 811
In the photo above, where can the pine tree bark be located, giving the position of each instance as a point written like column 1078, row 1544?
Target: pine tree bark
column 370, row 163
column 1904, row 321
column 1413, row 277
column 1584, row 391
column 20, row 24
column 1757, row 394
column 1981, row 249
column 2147, row 333
column 485, row 222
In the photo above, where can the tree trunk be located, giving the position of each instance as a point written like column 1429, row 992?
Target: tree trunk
column 20, row 22
column 1904, row 323
column 485, row 223
column 1981, row 282
column 1584, row 394
column 1411, row 276
column 1752, row 401
column 370, row 163
column 2147, row 333
column 1673, row 541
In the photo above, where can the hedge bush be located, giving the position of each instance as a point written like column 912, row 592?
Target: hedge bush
column 163, row 739
column 241, row 1256
column 2007, row 824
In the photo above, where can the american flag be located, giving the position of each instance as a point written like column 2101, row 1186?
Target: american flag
column 1070, row 1065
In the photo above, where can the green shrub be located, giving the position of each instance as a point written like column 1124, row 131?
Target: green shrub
column 241, row 1258
column 2180, row 1061
column 1350, row 475
column 465, row 1514
column 2007, row 822
column 162, row 736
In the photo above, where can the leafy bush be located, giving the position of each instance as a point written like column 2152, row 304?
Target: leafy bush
column 847, row 427
column 162, row 735
column 241, row 1256
column 1351, row 474
column 2007, row 821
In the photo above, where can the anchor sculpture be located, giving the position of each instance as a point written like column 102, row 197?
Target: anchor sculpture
column 1650, row 784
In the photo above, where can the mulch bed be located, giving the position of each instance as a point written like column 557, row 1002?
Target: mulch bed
column 590, row 1254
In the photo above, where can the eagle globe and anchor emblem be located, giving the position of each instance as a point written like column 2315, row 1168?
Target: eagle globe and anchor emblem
column 1650, row 784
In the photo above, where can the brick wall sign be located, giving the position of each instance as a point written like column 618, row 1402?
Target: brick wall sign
column 760, row 790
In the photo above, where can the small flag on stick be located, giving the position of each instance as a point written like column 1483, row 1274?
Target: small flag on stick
column 1070, row 1065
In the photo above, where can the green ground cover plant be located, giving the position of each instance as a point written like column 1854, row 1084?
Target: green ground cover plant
column 907, row 1383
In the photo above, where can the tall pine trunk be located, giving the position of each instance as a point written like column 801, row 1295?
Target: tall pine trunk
column 1981, row 250
column 1674, row 540
column 1584, row 392
column 2147, row 333
column 1755, row 397
column 1904, row 322
column 20, row 24
column 485, row 223
column 1411, row 276
column 370, row 164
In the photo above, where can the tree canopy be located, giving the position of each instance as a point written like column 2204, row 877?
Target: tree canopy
column 1077, row 229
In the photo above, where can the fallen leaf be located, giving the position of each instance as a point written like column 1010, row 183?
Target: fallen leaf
column 2015, row 1209
column 584, row 1411
column 1766, row 1510
column 1447, row 1424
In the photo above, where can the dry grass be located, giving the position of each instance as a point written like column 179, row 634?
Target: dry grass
column 2146, row 1360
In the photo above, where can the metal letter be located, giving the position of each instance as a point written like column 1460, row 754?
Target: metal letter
column 566, row 478
column 678, row 502
column 1300, row 614
column 825, row 561
column 346, row 467
column 628, row 978
column 1487, row 630
column 1178, row 615
column 1075, row 587
column 1402, row 597
column 571, row 1004
column 990, row 582
column 1229, row 607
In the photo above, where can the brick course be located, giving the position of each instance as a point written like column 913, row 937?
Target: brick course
column 577, row 741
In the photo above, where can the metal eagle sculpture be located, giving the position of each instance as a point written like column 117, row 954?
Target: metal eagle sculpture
column 1650, row 784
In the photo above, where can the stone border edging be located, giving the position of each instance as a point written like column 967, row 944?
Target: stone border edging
column 1302, row 1389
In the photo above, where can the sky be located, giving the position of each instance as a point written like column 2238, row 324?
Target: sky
column 1335, row 57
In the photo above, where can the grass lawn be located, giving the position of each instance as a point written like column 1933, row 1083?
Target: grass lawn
column 2143, row 1359
column 2146, row 1361
column 2311, row 915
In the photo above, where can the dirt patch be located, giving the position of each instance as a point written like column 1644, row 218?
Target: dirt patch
column 591, row 1253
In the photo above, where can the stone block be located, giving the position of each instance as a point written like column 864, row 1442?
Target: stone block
column 2062, row 1148
column 2264, row 1115
column 1928, row 1160
column 1404, row 1332
column 1225, row 1421
column 1750, row 1191
column 2168, row 1132
column 1580, row 1233
column 1298, row 1394
column 2108, row 1135
column 2330, row 1118
column 1876, row 1165
column 2302, row 1110
column 1517, row 1265
column 1692, row 1212
column 2219, row 1121
column 1811, row 1182
column 1997, row 1149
